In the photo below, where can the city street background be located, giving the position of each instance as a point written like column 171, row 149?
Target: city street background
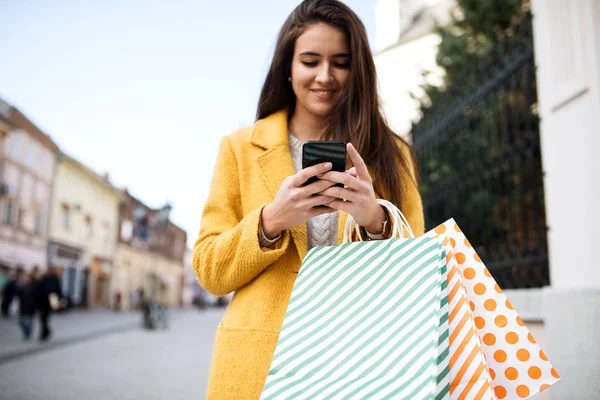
column 106, row 355
column 111, row 114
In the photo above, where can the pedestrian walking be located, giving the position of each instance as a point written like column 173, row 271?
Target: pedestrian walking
column 3, row 279
column 26, row 292
column 261, row 216
column 35, row 273
column 49, row 298
column 9, row 292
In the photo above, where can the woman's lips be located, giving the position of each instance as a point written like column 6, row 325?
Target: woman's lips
column 322, row 94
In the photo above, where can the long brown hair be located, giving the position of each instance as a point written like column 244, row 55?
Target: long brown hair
column 357, row 117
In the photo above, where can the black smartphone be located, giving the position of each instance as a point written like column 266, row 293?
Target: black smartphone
column 320, row 151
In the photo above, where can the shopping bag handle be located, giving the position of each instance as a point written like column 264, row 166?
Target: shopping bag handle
column 399, row 226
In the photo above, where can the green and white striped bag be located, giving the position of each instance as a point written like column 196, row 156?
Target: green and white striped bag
column 366, row 320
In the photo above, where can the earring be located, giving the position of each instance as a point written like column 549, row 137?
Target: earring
column 290, row 78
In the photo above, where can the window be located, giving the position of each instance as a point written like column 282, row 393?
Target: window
column 106, row 231
column 17, row 143
column 20, row 217
column 37, row 227
column 30, row 155
column 8, row 211
column 89, row 227
column 66, row 217
column 45, row 163
column 126, row 230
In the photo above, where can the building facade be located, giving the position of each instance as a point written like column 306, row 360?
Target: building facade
column 83, row 231
column 567, row 54
column 405, row 48
column 150, row 256
column 27, row 163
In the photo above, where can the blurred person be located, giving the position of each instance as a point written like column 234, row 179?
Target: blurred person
column 260, row 218
column 118, row 300
column 47, row 289
column 85, row 289
column 133, row 299
column 9, row 292
column 35, row 273
column 26, row 292
column 3, row 279
column 141, row 296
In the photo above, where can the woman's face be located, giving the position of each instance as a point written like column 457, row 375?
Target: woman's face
column 320, row 69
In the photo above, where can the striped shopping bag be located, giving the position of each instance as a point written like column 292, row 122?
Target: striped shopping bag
column 366, row 320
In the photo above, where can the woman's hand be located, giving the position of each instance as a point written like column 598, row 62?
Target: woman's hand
column 358, row 193
column 295, row 203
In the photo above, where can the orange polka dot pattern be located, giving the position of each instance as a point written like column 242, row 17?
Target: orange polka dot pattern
column 517, row 367
column 467, row 360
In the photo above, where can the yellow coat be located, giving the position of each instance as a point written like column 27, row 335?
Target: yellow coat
column 251, row 165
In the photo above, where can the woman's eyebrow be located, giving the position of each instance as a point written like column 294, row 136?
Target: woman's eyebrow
column 312, row 53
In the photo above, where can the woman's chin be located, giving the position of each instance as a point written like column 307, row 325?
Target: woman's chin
column 321, row 111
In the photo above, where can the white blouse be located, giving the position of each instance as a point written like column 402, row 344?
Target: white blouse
column 322, row 229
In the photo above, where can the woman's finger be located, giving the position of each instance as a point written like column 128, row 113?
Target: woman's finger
column 318, row 186
column 341, row 193
column 341, row 177
column 320, row 200
column 301, row 177
column 341, row 205
column 359, row 164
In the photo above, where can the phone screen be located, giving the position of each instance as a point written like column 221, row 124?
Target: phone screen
column 317, row 152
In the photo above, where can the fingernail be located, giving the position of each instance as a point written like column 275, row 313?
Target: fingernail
column 327, row 165
column 320, row 176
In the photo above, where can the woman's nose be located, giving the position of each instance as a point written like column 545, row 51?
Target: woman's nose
column 324, row 74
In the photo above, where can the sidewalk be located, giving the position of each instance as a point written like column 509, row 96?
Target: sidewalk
column 67, row 327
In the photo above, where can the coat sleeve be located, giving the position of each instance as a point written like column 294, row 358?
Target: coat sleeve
column 227, row 254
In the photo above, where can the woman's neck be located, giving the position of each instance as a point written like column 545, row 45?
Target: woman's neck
column 306, row 127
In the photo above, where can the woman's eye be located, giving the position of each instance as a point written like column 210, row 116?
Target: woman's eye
column 337, row 65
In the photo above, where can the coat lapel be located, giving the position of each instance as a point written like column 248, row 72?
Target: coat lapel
column 276, row 164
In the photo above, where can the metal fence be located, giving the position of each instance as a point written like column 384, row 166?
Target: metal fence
column 478, row 147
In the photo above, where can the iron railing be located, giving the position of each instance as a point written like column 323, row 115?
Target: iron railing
column 479, row 155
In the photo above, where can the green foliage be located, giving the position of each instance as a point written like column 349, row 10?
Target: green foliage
column 476, row 26
column 489, row 18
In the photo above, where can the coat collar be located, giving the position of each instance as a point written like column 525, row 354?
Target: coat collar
column 275, row 163
column 272, row 131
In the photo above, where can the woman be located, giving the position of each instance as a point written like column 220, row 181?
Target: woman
column 260, row 219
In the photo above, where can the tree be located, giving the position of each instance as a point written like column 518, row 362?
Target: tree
column 478, row 139
column 476, row 26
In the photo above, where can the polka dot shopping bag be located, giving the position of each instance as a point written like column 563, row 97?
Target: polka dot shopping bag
column 514, row 362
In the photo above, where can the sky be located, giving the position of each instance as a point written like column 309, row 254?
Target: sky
column 144, row 90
